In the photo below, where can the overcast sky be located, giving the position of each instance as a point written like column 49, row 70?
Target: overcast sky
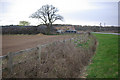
column 80, row 12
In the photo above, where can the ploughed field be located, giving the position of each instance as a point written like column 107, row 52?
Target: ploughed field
column 14, row 43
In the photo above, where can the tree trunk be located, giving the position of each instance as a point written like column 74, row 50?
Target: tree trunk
column 49, row 28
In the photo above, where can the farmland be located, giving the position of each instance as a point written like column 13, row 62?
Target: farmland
column 13, row 43
column 61, row 55
column 59, row 59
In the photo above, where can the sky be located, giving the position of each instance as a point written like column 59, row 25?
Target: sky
column 76, row 12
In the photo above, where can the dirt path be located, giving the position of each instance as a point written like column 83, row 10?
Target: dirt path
column 14, row 43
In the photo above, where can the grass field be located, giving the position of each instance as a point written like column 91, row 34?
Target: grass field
column 105, row 62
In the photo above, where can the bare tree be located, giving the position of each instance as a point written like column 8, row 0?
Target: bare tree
column 47, row 13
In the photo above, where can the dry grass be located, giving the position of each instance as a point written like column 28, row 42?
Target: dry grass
column 59, row 60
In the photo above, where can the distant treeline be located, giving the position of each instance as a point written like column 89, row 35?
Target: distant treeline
column 98, row 28
column 16, row 29
column 92, row 28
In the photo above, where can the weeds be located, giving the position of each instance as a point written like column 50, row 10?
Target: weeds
column 59, row 60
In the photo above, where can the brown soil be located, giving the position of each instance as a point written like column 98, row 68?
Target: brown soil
column 14, row 43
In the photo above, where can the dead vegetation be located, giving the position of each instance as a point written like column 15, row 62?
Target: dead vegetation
column 58, row 60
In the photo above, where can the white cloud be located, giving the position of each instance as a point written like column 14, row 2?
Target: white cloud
column 22, row 9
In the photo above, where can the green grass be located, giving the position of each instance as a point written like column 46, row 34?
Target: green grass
column 105, row 61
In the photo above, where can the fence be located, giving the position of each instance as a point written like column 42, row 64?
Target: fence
column 10, row 60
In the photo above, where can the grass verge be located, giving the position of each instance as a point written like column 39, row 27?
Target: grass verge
column 105, row 62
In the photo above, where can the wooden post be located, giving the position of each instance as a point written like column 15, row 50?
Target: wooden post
column 39, row 52
column 10, row 62
column 1, row 68
column 55, row 43
column 70, row 40
column 63, row 41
